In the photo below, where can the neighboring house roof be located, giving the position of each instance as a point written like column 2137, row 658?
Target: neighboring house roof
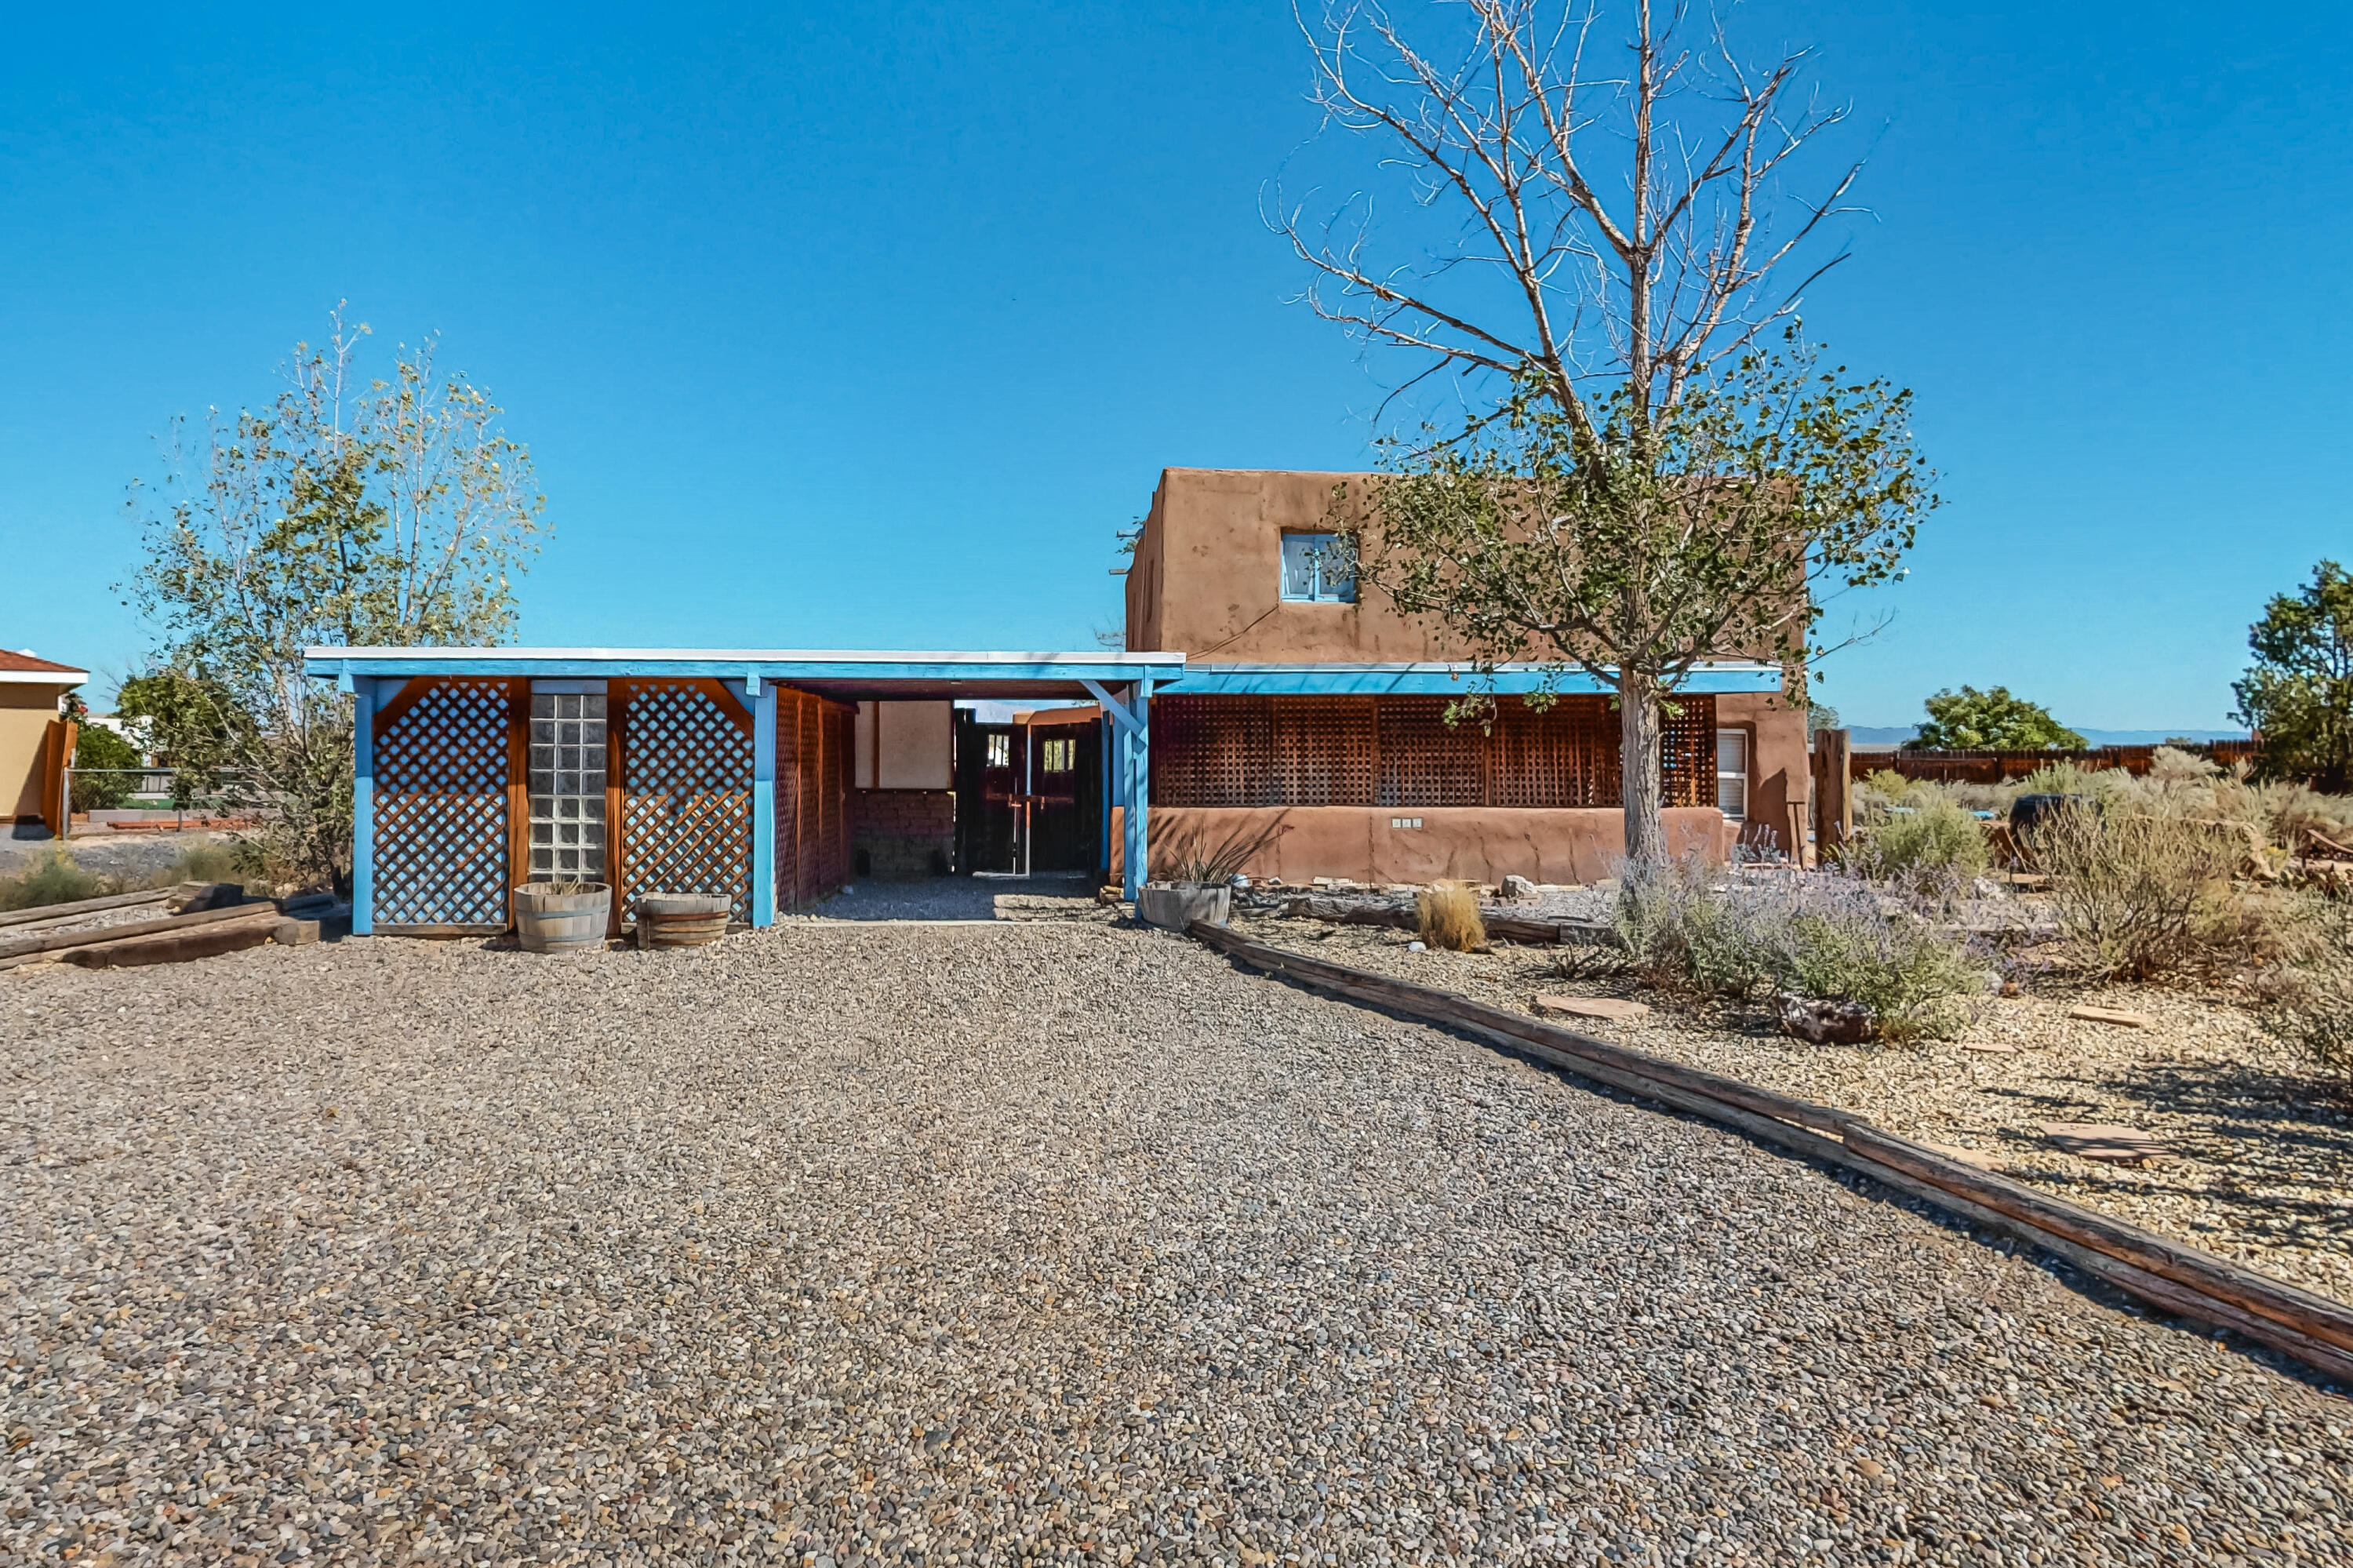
column 24, row 670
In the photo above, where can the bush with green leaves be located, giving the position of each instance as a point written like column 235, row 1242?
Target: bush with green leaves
column 1829, row 936
column 109, row 759
column 1934, row 838
column 1991, row 720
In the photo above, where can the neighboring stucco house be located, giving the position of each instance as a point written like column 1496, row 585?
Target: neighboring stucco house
column 1302, row 701
column 32, row 694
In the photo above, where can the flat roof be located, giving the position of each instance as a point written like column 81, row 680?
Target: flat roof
column 1715, row 677
column 844, row 672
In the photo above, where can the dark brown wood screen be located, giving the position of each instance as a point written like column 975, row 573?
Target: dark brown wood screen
column 815, row 739
column 1400, row 751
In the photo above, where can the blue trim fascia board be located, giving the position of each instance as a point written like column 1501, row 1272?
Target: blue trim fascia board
column 1436, row 680
column 877, row 673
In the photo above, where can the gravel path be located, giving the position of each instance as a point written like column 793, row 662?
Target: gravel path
column 132, row 857
column 837, row 1246
column 2263, row 1156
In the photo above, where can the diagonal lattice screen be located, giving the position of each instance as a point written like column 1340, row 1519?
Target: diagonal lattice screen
column 686, row 793
column 441, row 808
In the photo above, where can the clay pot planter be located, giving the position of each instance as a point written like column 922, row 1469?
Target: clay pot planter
column 680, row 919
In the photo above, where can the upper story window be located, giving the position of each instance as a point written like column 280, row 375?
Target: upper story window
column 1313, row 569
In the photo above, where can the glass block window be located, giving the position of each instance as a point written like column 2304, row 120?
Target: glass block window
column 567, row 786
column 1732, row 773
column 1312, row 571
column 1059, row 755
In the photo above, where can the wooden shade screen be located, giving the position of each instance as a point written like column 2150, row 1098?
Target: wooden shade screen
column 683, row 759
column 1400, row 751
column 444, row 747
column 816, row 743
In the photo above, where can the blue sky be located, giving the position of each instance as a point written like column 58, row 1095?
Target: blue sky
column 865, row 326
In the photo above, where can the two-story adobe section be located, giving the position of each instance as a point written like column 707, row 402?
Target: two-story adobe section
column 1312, row 717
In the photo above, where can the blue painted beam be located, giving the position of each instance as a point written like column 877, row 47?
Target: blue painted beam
column 764, row 804
column 1068, row 671
column 1435, row 680
column 363, row 807
column 1140, row 702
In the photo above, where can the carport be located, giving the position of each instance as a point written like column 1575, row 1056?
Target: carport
column 721, row 770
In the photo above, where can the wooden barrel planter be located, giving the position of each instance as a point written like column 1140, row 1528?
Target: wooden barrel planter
column 680, row 919
column 562, row 916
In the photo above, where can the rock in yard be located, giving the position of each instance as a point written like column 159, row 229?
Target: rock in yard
column 1517, row 888
column 1826, row 1023
column 2092, row 1140
column 1611, row 1007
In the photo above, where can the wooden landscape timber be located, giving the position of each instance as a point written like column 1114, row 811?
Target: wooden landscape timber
column 2173, row 1276
column 243, row 928
column 35, row 948
column 183, row 894
column 1501, row 925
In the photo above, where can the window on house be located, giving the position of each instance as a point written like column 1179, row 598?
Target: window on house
column 567, row 786
column 1000, row 750
column 1312, row 571
column 1732, row 773
column 1058, row 756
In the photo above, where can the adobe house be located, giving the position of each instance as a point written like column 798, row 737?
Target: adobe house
column 1301, row 701
column 1255, row 694
column 35, row 744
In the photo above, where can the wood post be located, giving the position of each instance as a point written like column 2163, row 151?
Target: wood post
column 1833, row 754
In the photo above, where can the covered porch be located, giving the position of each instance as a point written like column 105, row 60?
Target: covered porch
column 479, row 769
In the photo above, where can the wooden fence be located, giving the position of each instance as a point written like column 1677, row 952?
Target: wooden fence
column 2005, row 767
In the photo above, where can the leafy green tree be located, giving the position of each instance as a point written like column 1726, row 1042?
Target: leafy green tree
column 2299, row 695
column 1991, row 720
column 100, row 758
column 1649, row 469
column 384, row 512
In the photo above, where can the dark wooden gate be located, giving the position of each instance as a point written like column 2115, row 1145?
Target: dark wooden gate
column 1028, row 796
column 988, row 788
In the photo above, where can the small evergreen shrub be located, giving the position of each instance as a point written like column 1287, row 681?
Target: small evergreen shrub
column 1934, row 838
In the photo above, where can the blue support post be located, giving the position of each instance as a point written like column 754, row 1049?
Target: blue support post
column 1140, row 811
column 763, row 802
column 364, row 807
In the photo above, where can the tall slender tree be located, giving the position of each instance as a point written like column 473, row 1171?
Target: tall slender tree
column 1647, row 467
column 378, row 511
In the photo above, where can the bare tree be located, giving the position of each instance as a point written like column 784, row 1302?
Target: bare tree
column 1648, row 469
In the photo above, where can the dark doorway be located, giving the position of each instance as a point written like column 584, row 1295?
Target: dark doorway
column 1028, row 796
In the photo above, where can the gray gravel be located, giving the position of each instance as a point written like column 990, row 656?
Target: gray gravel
column 133, row 857
column 967, row 1243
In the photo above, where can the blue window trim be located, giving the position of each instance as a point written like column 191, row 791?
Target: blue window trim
column 1315, row 593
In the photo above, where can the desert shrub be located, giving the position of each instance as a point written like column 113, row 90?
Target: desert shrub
column 228, row 862
column 1830, row 937
column 2071, row 778
column 1446, row 914
column 56, row 878
column 2308, row 995
column 2139, row 896
column 1934, row 837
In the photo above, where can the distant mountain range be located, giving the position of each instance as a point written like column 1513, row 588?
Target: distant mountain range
column 1882, row 736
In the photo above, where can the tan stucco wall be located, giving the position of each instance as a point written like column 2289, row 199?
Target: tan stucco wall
column 906, row 746
column 1208, row 575
column 1779, row 774
column 1471, row 843
column 25, row 715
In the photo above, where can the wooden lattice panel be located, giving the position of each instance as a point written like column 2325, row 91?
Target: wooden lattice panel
column 1327, row 751
column 1687, row 752
column 686, row 792
column 1212, row 751
column 1425, row 761
column 1400, row 752
column 441, row 838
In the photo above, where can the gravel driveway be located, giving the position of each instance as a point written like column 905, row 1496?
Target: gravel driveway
column 971, row 1243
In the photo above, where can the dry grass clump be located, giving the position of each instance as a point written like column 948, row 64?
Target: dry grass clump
column 58, row 878
column 2310, row 995
column 1445, row 916
column 2143, row 897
